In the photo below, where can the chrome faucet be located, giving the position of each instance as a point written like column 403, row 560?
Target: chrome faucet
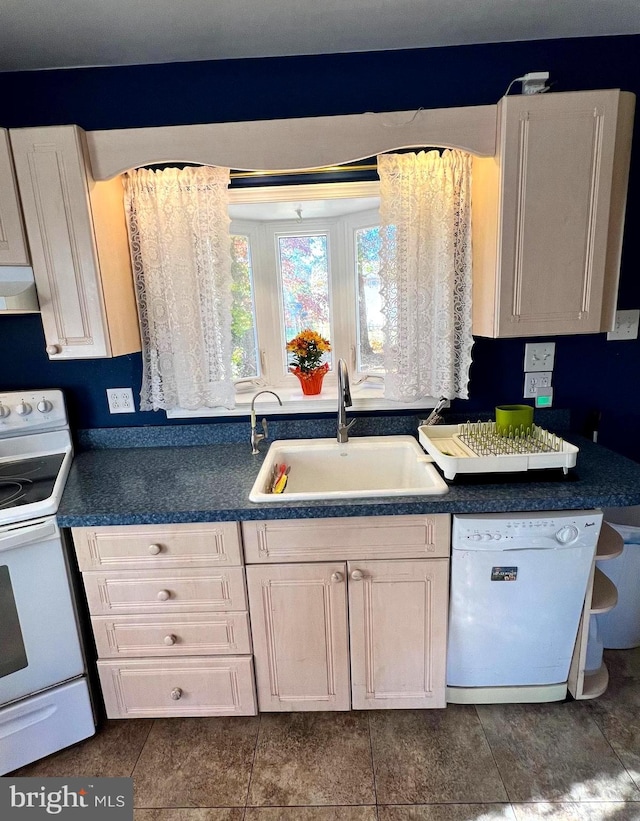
column 435, row 415
column 255, row 436
column 344, row 402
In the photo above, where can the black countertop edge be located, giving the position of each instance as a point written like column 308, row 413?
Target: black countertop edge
column 308, row 512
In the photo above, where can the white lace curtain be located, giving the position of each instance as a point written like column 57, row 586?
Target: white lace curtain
column 425, row 268
column 181, row 250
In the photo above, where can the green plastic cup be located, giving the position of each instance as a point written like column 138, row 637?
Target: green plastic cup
column 514, row 417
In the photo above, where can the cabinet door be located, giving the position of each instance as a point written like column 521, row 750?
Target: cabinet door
column 13, row 246
column 542, row 211
column 61, row 201
column 299, row 629
column 398, row 630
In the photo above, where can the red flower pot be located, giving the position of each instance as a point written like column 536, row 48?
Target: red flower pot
column 311, row 381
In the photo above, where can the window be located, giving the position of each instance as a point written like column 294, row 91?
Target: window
column 307, row 264
column 244, row 355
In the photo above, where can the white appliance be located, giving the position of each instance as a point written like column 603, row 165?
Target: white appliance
column 518, row 585
column 44, row 696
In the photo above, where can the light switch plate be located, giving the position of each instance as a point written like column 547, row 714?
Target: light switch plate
column 539, row 356
column 626, row 325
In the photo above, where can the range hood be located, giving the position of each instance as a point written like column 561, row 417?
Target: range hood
column 17, row 291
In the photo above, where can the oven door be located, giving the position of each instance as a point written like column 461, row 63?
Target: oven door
column 39, row 640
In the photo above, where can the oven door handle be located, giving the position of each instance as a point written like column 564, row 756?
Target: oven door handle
column 19, row 536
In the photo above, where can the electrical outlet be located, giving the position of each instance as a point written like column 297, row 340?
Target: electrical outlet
column 539, row 356
column 535, row 383
column 626, row 325
column 120, row 400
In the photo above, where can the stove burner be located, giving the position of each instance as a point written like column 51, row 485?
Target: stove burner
column 24, row 481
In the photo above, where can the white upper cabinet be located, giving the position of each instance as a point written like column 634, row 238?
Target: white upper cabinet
column 79, row 247
column 13, row 245
column 548, row 214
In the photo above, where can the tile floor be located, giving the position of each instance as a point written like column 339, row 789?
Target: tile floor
column 572, row 761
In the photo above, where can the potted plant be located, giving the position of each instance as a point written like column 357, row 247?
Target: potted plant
column 307, row 350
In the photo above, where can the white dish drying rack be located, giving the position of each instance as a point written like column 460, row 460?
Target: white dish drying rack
column 477, row 447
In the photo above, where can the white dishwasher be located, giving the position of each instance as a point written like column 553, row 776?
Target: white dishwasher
column 518, row 584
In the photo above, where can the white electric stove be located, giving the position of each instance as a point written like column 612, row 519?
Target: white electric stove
column 45, row 703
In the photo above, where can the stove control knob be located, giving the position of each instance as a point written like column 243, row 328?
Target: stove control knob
column 475, row 537
column 567, row 534
column 44, row 406
column 23, row 409
column 4, row 411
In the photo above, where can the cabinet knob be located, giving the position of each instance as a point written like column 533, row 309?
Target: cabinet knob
column 176, row 693
column 170, row 639
column 357, row 575
column 337, row 577
column 163, row 595
column 53, row 349
column 154, row 549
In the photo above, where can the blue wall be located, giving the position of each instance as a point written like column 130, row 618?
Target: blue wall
column 592, row 376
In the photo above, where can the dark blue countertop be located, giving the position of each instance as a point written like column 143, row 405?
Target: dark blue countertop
column 211, row 482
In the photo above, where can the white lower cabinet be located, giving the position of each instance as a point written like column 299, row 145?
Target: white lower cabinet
column 364, row 633
column 169, row 615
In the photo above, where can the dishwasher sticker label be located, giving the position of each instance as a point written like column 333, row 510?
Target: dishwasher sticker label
column 504, row 574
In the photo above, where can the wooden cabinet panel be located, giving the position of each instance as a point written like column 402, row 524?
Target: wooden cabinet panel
column 178, row 687
column 158, row 546
column 299, row 627
column 187, row 634
column 362, row 537
column 79, row 247
column 398, row 631
column 548, row 214
column 168, row 607
column 13, row 243
column 159, row 591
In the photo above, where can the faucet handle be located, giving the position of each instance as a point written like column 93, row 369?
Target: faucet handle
column 347, row 427
column 256, row 437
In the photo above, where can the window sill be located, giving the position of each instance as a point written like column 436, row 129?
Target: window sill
column 365, row 397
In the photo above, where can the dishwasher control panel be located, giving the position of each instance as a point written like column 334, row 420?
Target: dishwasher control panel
column 527, row 530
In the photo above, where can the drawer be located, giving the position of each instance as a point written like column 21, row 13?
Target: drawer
column 178, row 687
column 158, row 591
column 187, row 634
column 359, row 537
column 183, row 545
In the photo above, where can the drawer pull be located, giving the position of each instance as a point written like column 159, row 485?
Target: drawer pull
column 154, row 549
column 163, row 595
column 170, row 639
column 337, row 577
column 176, row 693
column 357, row 575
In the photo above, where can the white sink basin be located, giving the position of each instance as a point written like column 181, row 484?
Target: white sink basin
column 364, row 466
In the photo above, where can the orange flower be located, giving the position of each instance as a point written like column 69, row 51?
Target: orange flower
column 308, row 348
